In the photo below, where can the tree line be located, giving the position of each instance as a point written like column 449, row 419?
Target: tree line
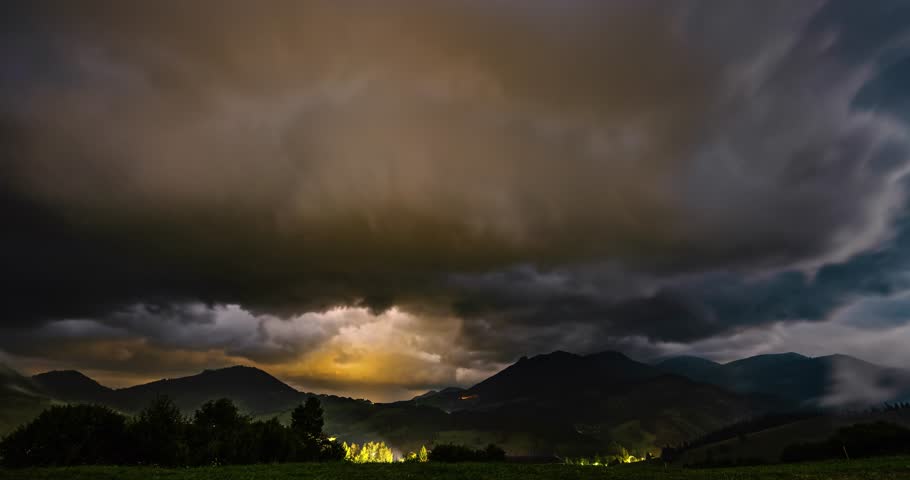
column 215, row 434
column 616, row 455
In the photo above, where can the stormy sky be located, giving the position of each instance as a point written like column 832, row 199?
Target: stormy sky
column 379, row 198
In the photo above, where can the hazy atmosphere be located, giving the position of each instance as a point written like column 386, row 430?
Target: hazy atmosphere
column 375, row 199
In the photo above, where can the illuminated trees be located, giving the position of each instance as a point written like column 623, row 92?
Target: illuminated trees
column 370, row 452
column 417, row 457
column 616, row 455
column 378, row 452
column 374, row 452
column 422, row 455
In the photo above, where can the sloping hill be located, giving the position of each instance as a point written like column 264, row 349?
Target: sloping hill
column 555, row 376
column 252, row 389
column 767, row 445
column 72, row 386
column 565, row 401
column 695, row 368
column 791, row 375
column 543, row 376
column 20, row 400
column 615, row 366
column 447, row 399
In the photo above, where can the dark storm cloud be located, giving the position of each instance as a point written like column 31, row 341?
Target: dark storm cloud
column 512, row 312
column 555, row 174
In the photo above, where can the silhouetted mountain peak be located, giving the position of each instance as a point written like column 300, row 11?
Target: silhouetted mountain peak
column 72, row 379
column 551, row 360
column 555, row 355
column 687, row 360
column 252, row 388
column 238, row 377
column 616, row 366
column 856, row 365
column 611, row 357
column 71, row 385
column 770, row 359
column 240, row 371
column 839, row 357
column 444, row 395
column 797, row 378
column 609, row 354
column 428, row 393
column 695, row 368
column 451, row 390
column 553, row 374
column 74, row 376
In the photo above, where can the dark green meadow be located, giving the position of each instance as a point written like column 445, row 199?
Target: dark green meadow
column 872, row 469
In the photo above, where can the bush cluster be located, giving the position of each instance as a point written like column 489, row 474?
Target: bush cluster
column 217, row 433
column 461, row 453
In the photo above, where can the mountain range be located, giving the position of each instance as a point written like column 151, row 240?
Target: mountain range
column 252, row 389
column 833, row 380
column 557, row 403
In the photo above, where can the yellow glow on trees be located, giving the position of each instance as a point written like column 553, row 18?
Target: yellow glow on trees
column 370, row 452
column 422, row 456
column 620, row 456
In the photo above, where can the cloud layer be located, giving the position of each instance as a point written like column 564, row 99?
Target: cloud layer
column 512, row 177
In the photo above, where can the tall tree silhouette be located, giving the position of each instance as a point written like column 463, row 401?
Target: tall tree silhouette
column 218, row 432
column 306, row 419
column 158, row 434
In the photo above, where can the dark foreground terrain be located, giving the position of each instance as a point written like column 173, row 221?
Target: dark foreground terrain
column 878, row 469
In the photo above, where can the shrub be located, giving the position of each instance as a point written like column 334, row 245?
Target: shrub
column 157, row 436
column 216, row 435
column 68, row 435
column 461, row 453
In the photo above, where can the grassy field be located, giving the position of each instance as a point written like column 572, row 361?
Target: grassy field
column 878, row 469
column 768, row 444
